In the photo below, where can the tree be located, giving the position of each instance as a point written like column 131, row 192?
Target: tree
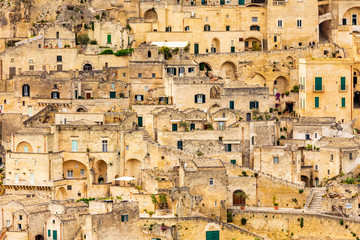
column 83, row 38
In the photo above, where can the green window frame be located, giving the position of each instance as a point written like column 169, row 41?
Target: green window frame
column 212, row 235
column 233, row 161
column 343, row 84
column 174, row 127
column 109, row 38
column 192, row 126
column 232, row 49
column 124, row 218
column 112, row 94
column 318, row 84
column 227, row 28
column 196, row 48
column 241, row 2
column 180, row 145
column 317, row 102
column 343, row 102
column 232, row 105
column 140, row 121
column 54, row 235
column 49, row 233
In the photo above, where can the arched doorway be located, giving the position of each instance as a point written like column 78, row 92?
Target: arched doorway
column 39, row 237
column 150, row 16
column 239, row 198
column 306, row 180
column 100, row 171
column 132, row 168
column 81, row 109
column 252, row 44
column 87, row 67
column 356, row 99
column 24, row 147
column 228, row 70
column 215, row 92
column 317, row 183
column 61, row 194
column 203, row 66
column 215, row 45
column 280, row 85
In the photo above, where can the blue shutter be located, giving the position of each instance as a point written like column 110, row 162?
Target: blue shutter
column 343, row 80
column 316, row 102
column 318, row 84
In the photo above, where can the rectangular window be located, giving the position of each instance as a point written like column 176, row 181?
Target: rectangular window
column 192, row 126
column 299, row 23
column 187, row 28
column 190, row 69
column 30, row 111
column 70, row 174
column 112, row 85
column 168, row 29
column 153, row 75
column 180, row 145
column 112, row 94
column 26, row 149
column 196, row 48
column 19, row 226
column 16, row 178
column 8, row 223
column 343, row 84
column 232, row 49
column 221, row 125
column 233, row 161
column 280, row 23
column 307, row 136
column 344, row 21
column 139, row 75
column 140, row 121
column 254, row 105
column 227, row 147
column 343, row 102
column 54, row 235
column 82, row 172
column 254, row 19
column 31, row 67
column 104, row 145
column 174, row 127
column 139, row 97
column 232, row 105
column 199, row 98
column 354, row 19
column 32, row 178
column 318, row 84
column 57, row 35
column 276, row 160
column 211, row 182
column 350, row 156
column 109, row 38
column 317, row 102
column 227, row 28
column 74, row 145
column 275, row 38
column 58, row 58
column 69, row 187
column 20, row 217
column 124, row 218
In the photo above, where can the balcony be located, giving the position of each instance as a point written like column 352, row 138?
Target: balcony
column 279, row 3
column 319, row 90
column 343, row 88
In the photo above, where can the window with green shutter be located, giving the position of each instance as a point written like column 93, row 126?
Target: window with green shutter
column 196, row 48
column 109, row 38
column 112, row 94
column 124, row 218
column 343, row 102
column 212, row 235
column 241, row 2
column 232, row 105
column 192, row 126
column 140, row 121
column 343, row 81
column 316, row 102
column 174, row 127
column 232, row 49
column 180, row 145
column 55, row 235
column 233, row 161
column 318, row 84
column 49, row 233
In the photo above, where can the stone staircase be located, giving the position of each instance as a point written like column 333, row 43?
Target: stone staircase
column 315, row 203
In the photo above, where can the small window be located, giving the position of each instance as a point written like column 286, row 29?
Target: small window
column 57, row 34
column 276, row 160
column 55, row 95
column 19, row 226
column 280, row 23
column 227, row 147
column 187, row 28
column 328, row 171
column 59, row 68
column 58, row 58
column 307, row 136
column 53, row 221
column 215, row 203
column 139, row 75
column 146, row 88
column 74, row 145
column 199, row 98
column 316, row 167
column 233, row 161
column 104, row 145
column 254, row 105
column 344, row 21
column 124, row 218
column 331, row 157
column 139, row 98
column 112, row 85
column 254, row 19
column 82, row 172
column 180, row 145
column 350, row 156
column 220, row 139
column 227, row 28
column 124, row 74
column 190, row 69
column 153, row 75
column 70, row 174
column 20, row 217
column 149, row 54
column 69, row 187
column 275, row 38
column 168, row 29
column 211, row 182
column 174, row 127
column 299, row 23
column 8, row 223
column 253, row 140
column 31, row 67
column 207, row 28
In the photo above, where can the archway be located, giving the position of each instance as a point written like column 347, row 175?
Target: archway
column 355, row 77
column 357, row 99
column 24, row 147
column 150, row 16
column 215, row 45
column 306, row 180
column 100, row 171
column 203, row 66
column 74, row 169
column 317, row 183
column 325, row 31
column 61, row 194
column 132, row 168
column 117, row 183
column 228, row 70
column 259, row 79
column 39, row 237
column 239, row 198
column 289, row 61
column 252, row 44
column 81, row 109
column 280, row 84
column 87, row 67
column 215, row 92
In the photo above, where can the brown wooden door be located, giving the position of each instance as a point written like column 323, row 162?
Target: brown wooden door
column 12, row 72
column 88, row 95
column 238, row 198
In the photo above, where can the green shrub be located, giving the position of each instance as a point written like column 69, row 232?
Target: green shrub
column 287, row 93
column 341, row 222
column 93, row 42
column 106, row 51
column 123, row 52
column 82, row 38
column 243, row 221
column 302, row 222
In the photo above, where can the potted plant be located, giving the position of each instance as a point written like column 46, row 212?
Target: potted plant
column 150, row 213
column 276, row 205
column 243, row 196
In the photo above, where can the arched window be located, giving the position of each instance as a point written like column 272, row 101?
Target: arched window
column 207, row 28
column 26, row 90
column 239, row 198
column 87, row 67
column 149, row 54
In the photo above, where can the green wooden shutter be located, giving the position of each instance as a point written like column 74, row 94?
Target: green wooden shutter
column 140, row 121
column 196, row 48
column 212, row 235
column 233, row 161
column 112, row 94
column 241, row 2
column 49, row 233
column 343, row 80
column 232, row 105
column 174, row 127
column 122, row 218
column 343, row 102
column 54, row 235
column 316, row 102
column 109, row 38
column 232, row 49
column 192, row 126
column 180, row 145
column 318, row 83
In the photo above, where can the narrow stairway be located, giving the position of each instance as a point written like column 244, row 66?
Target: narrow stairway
column 315, row 204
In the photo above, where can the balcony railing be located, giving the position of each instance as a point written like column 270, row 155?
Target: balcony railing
column 317, row 89
column 343, row 88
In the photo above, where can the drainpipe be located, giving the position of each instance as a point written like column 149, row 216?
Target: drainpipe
column 352, row 98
